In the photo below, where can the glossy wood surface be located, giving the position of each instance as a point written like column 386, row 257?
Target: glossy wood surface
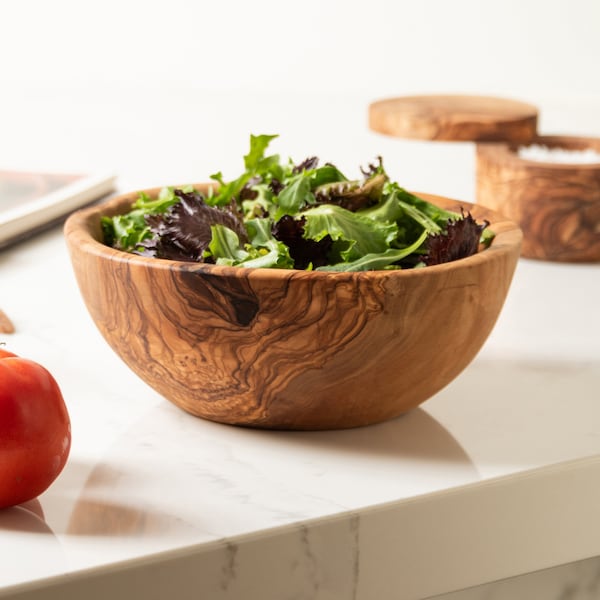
column 556, row 205
column 291, row 349
column 454, row 117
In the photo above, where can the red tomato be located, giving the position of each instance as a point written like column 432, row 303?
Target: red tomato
column 35, row 430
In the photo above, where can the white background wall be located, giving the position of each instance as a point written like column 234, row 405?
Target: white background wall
column 143, row 77
column 517, row 47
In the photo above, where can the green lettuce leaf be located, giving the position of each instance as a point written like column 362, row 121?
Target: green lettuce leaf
column 296, row 215
column 294, row 196
column 263, row 251
column 360, row 235
column 372, row 262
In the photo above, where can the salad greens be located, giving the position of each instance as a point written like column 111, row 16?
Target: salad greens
column 296, row 216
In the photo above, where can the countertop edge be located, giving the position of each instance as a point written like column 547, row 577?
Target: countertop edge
column 409, row 549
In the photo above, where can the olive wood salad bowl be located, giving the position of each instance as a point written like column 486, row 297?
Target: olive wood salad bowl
column 292, row 349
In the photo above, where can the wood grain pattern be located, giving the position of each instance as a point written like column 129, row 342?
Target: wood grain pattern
column 6, row 325
column 291, row 349
column 458, row 118
column 556, row 205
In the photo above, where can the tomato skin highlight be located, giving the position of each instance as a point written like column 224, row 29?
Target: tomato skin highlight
column 35, row 430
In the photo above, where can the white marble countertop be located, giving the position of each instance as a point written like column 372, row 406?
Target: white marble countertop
column 495, row 476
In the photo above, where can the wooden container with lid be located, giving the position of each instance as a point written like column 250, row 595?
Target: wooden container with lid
column 556, row 204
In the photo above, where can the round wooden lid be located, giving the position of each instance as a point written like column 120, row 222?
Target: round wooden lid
column 457, row 118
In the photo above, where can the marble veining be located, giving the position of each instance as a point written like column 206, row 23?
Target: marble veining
column 574, row 581
column 228, row 571
column 354, row 523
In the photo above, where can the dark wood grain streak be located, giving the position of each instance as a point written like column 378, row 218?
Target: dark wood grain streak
column 291, row 349
column 556, row 205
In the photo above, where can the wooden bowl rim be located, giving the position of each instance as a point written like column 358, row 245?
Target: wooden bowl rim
column 507, row 152
column 80, row 225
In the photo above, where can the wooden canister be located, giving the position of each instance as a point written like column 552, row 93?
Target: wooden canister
column 557, row 205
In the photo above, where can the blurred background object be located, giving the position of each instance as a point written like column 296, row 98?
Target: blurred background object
column 191, row 80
